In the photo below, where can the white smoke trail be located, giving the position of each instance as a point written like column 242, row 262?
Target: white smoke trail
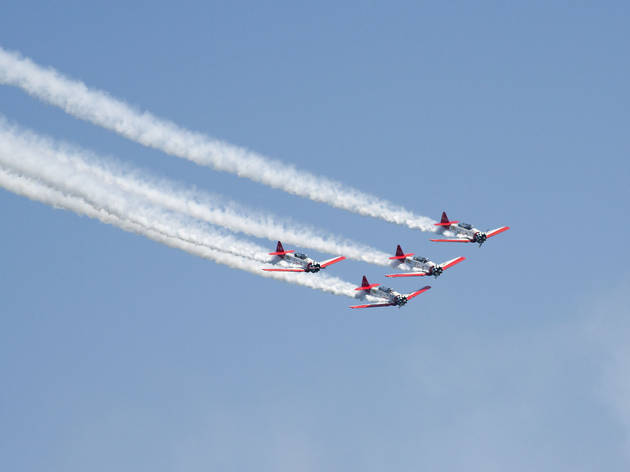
column 31, row 188
column 45, row 164
column 199, row 205
column 101, row 109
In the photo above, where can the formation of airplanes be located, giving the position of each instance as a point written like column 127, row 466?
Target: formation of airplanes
column 415, row 266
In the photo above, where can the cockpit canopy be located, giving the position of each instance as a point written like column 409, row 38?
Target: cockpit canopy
column 300, row 255
column 385, row 289
column 465, row 225
column 424, row 260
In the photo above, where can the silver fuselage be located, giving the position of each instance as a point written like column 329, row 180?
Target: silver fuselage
column 388, row 294
column 302, row 260
column 467, row 230
column 422, row 264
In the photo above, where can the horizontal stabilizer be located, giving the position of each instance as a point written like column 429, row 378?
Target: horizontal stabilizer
column 494, row 232
column 452, row 262
column 446, row 223
column 374, row 305
column 284, row 270
column 418, row 292
column 367, row 287
column 332, row 261
column 403, row 256
column 281, row 253
column 408, row 274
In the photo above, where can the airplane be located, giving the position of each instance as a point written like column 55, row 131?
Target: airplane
column 422, row 265
column 470, row 234
column 307, row 264
column 392, row 298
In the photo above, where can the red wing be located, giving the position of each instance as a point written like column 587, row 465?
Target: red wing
column 494, row 232
column 409, row 274
column 331, row 261
column 452, row 262
column 418, row 292
column 284, row 270
column 459, row 240
column 374, row 305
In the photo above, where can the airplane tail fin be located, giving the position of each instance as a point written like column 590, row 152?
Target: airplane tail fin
column 400, row 254
column 445, row 221
column 280, row 250
column 365, row 285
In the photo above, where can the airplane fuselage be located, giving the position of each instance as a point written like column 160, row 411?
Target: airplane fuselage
column 388, row 294
column 466, row 230
column 300, row 262
column 308, row 264
column 423, row 264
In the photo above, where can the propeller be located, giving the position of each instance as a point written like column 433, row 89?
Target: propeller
column 480, row 238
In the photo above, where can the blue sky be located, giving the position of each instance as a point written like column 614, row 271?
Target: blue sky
column 120, row 353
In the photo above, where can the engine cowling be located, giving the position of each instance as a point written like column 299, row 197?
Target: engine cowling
column 480, row 238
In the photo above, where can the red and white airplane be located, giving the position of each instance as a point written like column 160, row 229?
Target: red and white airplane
column 466, row 232
column 391, row 297
column 421, row 265
column 306, row 263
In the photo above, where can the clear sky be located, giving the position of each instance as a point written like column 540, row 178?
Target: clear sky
column 118, row 353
